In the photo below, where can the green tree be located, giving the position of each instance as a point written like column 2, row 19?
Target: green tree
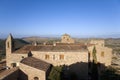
column 110, row 74
column 55, row 73
column 94, row 55
column 94, row 70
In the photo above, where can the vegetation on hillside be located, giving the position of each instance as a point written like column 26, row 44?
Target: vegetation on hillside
column 18, row 44
column 109, row 74
column 2, row 49
column 41, row 40
column 114, row 44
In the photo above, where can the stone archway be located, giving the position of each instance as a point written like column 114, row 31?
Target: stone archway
column 36, row 78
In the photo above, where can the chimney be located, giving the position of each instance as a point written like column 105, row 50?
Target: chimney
column 54, row 43
column 44, row 43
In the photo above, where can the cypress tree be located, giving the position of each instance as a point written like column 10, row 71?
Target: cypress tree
column 94, row 55
column 94, row 75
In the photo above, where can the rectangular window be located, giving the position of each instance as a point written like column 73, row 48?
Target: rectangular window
column 61, row 57
column 53, row 57
column 47, row 56
column 8, row 45
column 102, row 54
column 13, row 64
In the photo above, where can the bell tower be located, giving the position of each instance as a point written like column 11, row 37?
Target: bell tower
column 9, row 44
column 9, row 50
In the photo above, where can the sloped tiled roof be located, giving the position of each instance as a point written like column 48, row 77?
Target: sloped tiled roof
column 36, row 63
column 57, row 48
column 7, row 72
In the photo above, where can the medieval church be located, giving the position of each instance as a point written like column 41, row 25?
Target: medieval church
column 34, row 62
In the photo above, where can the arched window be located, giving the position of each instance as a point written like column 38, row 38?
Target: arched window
column 36, row 78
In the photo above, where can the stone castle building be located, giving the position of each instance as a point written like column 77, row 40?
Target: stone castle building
column 35, row 61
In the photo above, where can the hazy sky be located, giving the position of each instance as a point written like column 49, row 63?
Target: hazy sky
column 56, row 17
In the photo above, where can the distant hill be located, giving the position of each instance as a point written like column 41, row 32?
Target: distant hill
column 40, row 39
column 52, row 39
column 110, row 42
column 2, row 44
column 18, row 43
column 113, row 43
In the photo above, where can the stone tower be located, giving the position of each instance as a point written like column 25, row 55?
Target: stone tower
column 9, row 44
column 9, row 48
column 66, row 39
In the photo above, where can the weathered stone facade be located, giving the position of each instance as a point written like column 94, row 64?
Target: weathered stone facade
column 15, row 58
column 33, row 72
column 103, row 54
column 57, row 55
column 67, row 59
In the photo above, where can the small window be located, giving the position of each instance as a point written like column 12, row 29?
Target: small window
column 8, row 45
column 102, row 54
column 47, row 56
column 23, row 57
column 53, row 57
column 61, row 57
column 13, row 64
column 67, row 39
column 36, row 78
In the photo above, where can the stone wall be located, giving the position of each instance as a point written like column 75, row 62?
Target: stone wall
column 104, row 54
column 98, row 42
column 69, row 57
column 32, row 72
column 14, row 58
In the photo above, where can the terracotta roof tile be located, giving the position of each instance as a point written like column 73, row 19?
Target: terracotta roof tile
column 7, row 72
column 36, row 63
column 56, row 48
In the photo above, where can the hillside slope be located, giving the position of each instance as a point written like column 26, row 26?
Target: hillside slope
column 18, row 43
